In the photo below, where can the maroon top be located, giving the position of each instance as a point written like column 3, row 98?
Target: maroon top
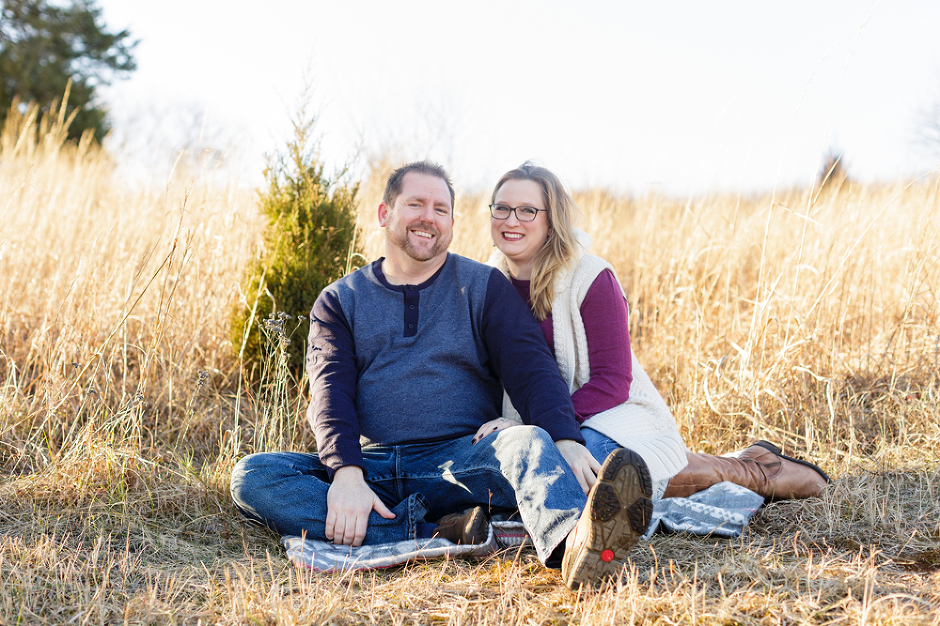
column 606, row 323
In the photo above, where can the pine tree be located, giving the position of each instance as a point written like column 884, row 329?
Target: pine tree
column 309, row 242
column 45, row 45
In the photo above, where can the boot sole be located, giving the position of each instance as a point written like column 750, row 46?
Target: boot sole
column 619, row 510
column 766, row 445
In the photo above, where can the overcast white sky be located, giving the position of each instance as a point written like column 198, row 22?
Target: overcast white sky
column 681, row 97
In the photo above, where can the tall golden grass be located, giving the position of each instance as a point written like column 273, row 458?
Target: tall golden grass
column 805, row 317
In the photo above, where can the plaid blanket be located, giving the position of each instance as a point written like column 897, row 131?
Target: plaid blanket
column 327, row 557
column 722, row 510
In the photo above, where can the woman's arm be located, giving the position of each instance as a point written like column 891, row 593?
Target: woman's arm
column 607, row 325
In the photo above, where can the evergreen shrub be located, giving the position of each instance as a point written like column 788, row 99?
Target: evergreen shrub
column 309, row 241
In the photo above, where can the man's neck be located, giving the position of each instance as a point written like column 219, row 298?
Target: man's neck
column 408, row 271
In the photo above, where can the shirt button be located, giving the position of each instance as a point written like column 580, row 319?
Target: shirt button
column 411, row 287
column 411, row 325
column 411, row 306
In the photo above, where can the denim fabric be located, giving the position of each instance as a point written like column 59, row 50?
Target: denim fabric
column 600, row 446
column 513, row 468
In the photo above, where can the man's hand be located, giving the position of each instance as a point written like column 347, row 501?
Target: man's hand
column 349, row 502
column 493, row 426
column 582, row 462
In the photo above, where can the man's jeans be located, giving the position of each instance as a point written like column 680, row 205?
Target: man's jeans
column 516, row 468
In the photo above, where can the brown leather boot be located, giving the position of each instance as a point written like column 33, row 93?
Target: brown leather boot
column 468, row 528
column 762, row 468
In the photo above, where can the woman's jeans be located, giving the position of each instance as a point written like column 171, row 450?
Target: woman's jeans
column 600, row 446
column 516, row 468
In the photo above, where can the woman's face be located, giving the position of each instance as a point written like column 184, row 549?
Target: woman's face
column 520, row 241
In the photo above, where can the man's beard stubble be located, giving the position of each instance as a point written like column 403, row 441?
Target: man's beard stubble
column 440, row 245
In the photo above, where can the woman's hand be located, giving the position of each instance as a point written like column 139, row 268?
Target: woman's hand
column 493, row 426
column 583, row 464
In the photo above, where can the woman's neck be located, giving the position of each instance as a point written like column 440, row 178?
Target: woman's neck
column 519, row 271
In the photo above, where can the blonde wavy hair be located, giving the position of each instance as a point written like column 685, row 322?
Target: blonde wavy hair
column 560, row 249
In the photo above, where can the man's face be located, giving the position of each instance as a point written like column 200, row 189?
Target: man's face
column 421, row 222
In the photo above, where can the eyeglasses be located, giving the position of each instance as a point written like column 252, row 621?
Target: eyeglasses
column 523, row 213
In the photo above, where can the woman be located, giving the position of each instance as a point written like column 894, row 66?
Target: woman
column 582, row 310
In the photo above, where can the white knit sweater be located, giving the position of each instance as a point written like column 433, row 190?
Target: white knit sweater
column 643, row 423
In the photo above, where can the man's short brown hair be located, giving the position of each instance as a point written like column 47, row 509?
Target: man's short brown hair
column 393, row 187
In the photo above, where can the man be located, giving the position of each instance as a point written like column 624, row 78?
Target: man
column 407, row 359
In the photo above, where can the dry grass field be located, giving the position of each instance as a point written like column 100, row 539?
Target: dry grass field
column 807, row 319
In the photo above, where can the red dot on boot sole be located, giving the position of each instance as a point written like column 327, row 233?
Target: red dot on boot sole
column 607, row 556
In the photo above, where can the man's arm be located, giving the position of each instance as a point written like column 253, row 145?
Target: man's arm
column 331, row 365
column 530, row 375
column 523, row 362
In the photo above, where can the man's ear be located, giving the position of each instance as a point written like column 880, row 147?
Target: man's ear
column 383, row 214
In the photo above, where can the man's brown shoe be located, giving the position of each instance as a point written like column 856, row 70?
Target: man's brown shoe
column 468, row 528
column 617, row 514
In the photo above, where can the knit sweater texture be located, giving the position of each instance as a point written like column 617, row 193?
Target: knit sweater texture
column 399, row 364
